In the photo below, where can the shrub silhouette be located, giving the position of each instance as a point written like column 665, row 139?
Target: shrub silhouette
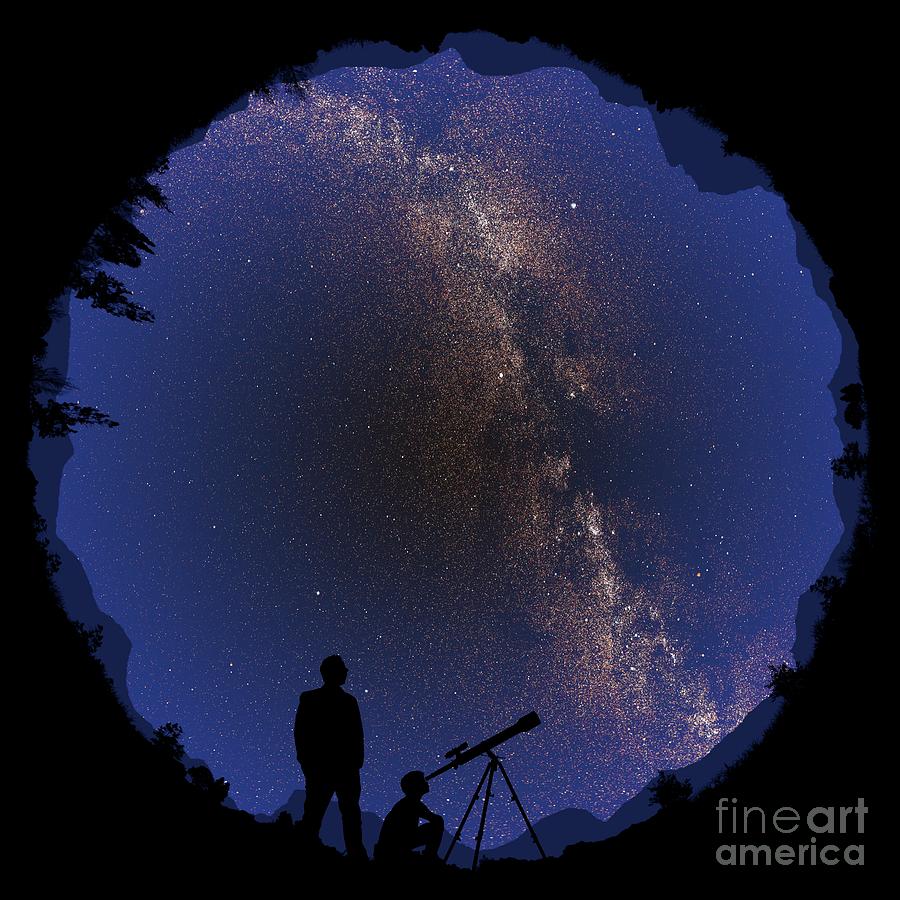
column 215, row 789
column 785, row 681
column 668, row 791
column 167, row 738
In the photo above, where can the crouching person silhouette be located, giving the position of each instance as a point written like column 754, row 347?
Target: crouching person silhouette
column 328, row 735
column 401, row 832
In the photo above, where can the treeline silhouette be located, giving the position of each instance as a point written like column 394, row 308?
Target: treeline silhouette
column 98, row 798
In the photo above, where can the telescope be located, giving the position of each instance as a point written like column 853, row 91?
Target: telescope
column 462, row 754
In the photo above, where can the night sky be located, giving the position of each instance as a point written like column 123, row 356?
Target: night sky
column 457, row 377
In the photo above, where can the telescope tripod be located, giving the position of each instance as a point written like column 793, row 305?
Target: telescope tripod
column 494, row 765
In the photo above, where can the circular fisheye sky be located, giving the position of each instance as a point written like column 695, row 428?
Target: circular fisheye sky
column 458, row 377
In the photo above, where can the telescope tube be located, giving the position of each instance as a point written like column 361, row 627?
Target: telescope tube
column 526, row 723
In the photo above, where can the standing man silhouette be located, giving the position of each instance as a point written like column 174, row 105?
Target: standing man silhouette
column 328, row 735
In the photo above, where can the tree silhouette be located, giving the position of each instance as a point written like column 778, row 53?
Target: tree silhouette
column 851, row 463
column 57, row 419
column 167, row 738
column 855, row 413
column 92, row 637
column 110, row 294
column 39, row 525
column 827, row 586
column 118, row 241
column 47, row 380
column 785, row 681
column 668, row 791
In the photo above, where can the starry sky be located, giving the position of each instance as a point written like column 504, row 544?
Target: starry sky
column 457, row 377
